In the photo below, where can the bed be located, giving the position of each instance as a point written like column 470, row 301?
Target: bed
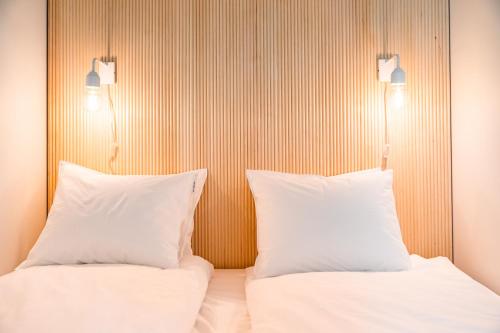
column 124, row 298
column 115, row 256
column 433, row 296
column 331, row 258
column 103, row 298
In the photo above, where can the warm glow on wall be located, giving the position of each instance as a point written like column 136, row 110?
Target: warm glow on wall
column 93, row 83
column 389, row 71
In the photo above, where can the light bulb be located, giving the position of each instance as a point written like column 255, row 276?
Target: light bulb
column 397, row 100
column 398, row 83
column 93, row 99
column 93, row 87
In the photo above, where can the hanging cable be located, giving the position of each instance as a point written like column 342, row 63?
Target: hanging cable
column 386, row 34
column 114, row 146
column 386, row 147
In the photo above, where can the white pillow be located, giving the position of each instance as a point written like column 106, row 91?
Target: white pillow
column 187, row 227
column 312, row 223
column 97, row 218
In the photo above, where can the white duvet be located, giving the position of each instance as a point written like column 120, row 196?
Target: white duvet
column 103, row 298
column 434, row 296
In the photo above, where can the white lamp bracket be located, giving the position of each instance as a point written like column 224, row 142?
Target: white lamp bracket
column 107, row 72
column 385, row 67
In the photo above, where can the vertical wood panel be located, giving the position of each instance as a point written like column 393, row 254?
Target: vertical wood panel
column 265, row 84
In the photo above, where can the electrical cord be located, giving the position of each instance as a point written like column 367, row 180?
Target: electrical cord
column 114, row 147
column 386, row 149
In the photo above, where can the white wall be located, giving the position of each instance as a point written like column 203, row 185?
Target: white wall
column 475, row 102
column 23, row 40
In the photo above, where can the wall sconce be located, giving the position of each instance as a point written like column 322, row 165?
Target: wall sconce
column 389, row 71
column 93, row 87
column 93, row 83
column 398, row 83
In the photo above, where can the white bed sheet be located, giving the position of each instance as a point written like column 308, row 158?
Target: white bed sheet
column 103, row 298
column 434, row 296
column 224, row 309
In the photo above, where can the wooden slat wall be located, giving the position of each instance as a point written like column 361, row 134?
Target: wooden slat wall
column 285, row 85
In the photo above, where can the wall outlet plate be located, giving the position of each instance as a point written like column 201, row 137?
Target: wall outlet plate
column 385, row 67
column 107, row 72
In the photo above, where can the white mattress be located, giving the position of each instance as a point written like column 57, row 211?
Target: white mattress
column 103, row 298
column 433, row 296
column 224, row 308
